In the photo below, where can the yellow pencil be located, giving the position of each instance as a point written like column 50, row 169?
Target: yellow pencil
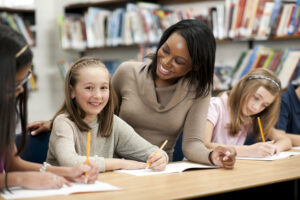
column 87, row 153
column 260, row 128
column 162, row 146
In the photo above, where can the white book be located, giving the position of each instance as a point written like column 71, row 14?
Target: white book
column 170, row 168
column 281, row 155
column 288, row 68
column 264, row 22
column 18, row 192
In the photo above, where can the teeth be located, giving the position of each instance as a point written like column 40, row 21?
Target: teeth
column 164, row 70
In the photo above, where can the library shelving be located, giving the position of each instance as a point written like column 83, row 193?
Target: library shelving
column 20, row 19
column 115, row 24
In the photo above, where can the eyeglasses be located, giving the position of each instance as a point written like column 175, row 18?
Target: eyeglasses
column 25, row 80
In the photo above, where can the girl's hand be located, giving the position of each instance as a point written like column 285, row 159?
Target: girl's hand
column 158, row 161
column 263, row 149
column 39, row 126
column 39, row 180
column 223, row 157
column 77, row 173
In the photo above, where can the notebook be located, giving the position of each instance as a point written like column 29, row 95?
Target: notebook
column 170, row 168
column 275, row 157
column 18, row 192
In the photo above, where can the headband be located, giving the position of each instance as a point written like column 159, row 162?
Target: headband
column 21, row 51
column 266, row 78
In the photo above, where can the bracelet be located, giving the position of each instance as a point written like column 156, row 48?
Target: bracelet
column 44, row 167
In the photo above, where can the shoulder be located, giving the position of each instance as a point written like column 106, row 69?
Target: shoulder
column 129, row 66
column 62, row 121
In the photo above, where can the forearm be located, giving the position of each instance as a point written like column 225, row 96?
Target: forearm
column 13, row 179
column 242, row 150
column 295, row 138
column 283, row 144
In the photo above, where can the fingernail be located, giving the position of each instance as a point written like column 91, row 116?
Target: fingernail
column 227, row 153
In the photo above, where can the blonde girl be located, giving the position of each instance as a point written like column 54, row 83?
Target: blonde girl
column 232, row 117
column 89, row 106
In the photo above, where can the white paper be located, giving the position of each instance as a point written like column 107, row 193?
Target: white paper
column 170, row 168
column 275, row 157
column 18, row 192
column 296, row 148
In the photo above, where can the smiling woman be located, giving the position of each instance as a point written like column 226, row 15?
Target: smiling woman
column 170, row 94
column 233, row 116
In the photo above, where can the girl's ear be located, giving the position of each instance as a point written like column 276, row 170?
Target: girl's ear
column 72, row 92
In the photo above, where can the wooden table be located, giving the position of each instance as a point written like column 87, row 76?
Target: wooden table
column 198, row 183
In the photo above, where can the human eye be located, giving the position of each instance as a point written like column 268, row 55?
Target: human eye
column 104, row 87
column 165, row 50
column 177, row 61
column 88, row 88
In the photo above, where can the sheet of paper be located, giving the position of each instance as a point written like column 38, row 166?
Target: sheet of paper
column 296, row 148
column 275, row 157
column 170, row 168
column 18, row 192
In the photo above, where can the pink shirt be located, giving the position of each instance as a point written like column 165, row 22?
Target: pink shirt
column 218, row 114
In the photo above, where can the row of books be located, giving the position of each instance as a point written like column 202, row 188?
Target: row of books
column 261, row 18
column 18, row 23
column 284, row 63
column 143, row 23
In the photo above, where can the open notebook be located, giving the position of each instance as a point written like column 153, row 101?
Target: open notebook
column 18, row 192
column 170, row 168
column 284, row 154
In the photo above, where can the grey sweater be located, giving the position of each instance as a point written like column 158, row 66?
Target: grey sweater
column 158, row 114
column 67, row 146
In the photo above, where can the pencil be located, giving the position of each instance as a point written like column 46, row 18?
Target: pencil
column 260, row 128
column 87, row 153
column 162, row 146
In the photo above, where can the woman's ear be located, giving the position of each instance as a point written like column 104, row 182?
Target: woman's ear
column 72, row 92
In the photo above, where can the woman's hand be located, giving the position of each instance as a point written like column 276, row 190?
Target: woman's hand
column 39, row 126
column 263, row 149
column 158, row 161
column 77, row 173
column 223, row 157
column 39, row 180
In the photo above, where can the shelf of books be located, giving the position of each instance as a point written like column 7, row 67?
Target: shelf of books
column 20, row 19
column 285, row 63
column 117, row 24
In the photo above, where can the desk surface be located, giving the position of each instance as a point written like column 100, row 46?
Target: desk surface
column 197, row 183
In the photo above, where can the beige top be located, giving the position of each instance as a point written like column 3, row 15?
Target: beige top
column 158, row 114
column 67, row 146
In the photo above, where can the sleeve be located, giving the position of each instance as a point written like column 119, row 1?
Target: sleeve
column 214, row 110
column 193, row 133
column 62, row 145
column 284, row 115
column 130, row 145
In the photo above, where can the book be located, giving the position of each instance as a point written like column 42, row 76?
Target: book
column 270, row 158
column 176, row 167
column 18, row 192
column 288, row 68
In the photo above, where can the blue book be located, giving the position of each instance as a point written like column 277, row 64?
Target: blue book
column 250, row 62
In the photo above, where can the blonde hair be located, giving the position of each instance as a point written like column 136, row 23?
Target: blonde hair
column 240, row 95
column 76, row 114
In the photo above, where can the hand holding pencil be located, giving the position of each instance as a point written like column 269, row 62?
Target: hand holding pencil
column 157, row 161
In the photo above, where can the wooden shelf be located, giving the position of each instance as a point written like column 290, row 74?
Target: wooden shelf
column 16, row 10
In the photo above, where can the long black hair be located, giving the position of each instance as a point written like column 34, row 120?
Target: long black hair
column 12, row 109
column 201, row 44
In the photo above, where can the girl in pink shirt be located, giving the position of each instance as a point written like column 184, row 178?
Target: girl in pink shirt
column 233, row 116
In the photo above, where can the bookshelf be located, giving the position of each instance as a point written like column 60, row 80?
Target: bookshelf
column 20, row 19
column 232, row 31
